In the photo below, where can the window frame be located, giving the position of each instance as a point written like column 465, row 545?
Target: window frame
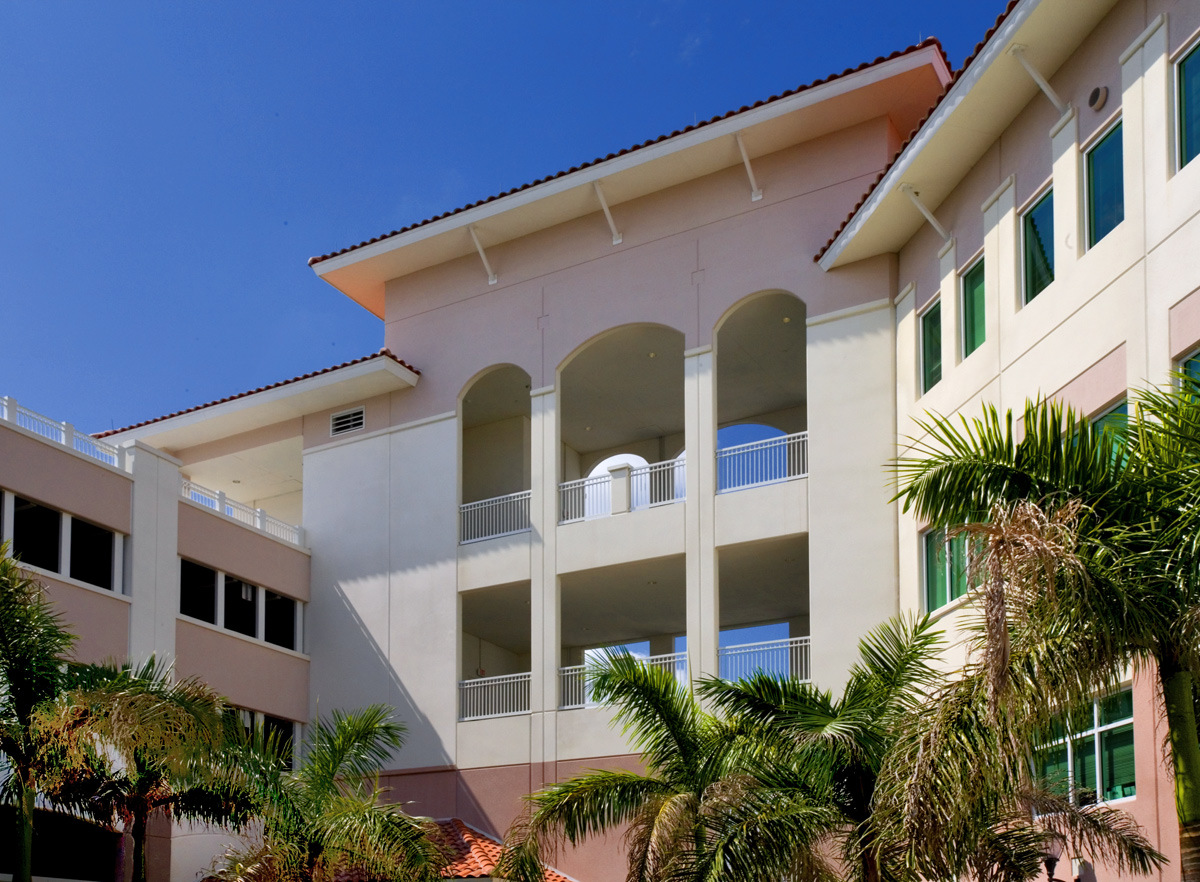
column 935, row 302
column 1070, row 737
column 260, row 598
column 1180, row 363
column 1038, row 197
column 948, row 543
column 1085, row 153
column 977, row 261
column 1181, row 55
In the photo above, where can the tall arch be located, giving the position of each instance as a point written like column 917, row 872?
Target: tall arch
column 494, row 411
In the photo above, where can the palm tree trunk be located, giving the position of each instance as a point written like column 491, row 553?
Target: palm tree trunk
column 23, row 868
column 1177, row 687
column 139, row 844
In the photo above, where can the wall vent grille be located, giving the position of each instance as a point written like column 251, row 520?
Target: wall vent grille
column 347, row 421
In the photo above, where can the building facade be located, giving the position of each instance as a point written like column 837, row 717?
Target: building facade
column 649, row 402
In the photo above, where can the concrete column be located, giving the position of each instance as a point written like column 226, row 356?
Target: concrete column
column 951, row 326
column 153, row 553
column 1068, row 196
column 619, row 476
column 700, row 438
column 545, row 622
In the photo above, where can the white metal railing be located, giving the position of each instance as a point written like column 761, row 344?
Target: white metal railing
column 239, row 511
column 574, row 688
column 762, row 462
column 658, row 484
column 59, row 433
column 585, row 498
column 493, row 696
column 787, row 658
column 489, row 518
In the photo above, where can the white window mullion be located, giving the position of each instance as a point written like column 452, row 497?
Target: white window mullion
column 220, row 599
column 118, row 574
column 64, row 544
column 260, row 613
column 7, row 513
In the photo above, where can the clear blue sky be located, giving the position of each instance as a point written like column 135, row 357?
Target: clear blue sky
column 166, row 169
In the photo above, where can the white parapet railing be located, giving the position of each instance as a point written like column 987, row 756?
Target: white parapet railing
column 574, row 688
column 585, row 498
column 659, row 484
column 60, row 433
column 786, row 658
column 486, row 697
column 762, row 462
column 489, row 518
column 252, row 517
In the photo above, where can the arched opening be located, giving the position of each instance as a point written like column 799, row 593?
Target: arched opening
column 622, row 404
column 495, row 449
column 762, row 392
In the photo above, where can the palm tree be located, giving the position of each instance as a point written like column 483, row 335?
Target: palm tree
column 325, row 818
column 695, row 813
column 1089, row 556
column 33, row 645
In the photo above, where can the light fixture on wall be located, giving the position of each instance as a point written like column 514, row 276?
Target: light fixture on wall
column 650, row 355
column 1098, row 97
column 786, row 319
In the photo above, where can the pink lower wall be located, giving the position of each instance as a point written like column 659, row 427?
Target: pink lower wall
column 99, row 620
column 209, row 539
column 247, row 673
column 1100, row 386
column 49, row 474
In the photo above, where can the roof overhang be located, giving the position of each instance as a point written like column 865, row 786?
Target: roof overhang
column 980, row 105
column 355, row 382
column 909, row 81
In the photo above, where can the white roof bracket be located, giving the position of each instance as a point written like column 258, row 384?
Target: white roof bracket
column 1017, row 51
column 607, row 214
column 907, row 190
column 492, row 278
column 755, row 192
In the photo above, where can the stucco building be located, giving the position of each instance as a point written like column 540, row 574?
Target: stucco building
column 648, row 401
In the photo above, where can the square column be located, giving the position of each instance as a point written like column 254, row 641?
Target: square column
column 544, row 603
column 700, row 437
column 152, row 553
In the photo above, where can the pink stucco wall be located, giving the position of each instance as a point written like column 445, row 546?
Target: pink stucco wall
column 49, row 474
column 1098, row 387
column 249, row 674
column 207, row 538
column 99, row 619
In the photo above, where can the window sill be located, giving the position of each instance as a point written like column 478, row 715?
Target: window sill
column 75, row 583
column 953, row 606
column 254, row 641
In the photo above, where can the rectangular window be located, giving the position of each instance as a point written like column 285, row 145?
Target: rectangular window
column 1189, row 107
column 1190, row 366
column 197, row 591
column 1037, row 234
column 945, row 569
column 1092, row 758
column 931, row 346
column 91, row 554
column 37, row 534
column 283, row 733
column 241, row 607
column 1105, row 186
column 1115, row 418
column 280, row 625
column 973, row 326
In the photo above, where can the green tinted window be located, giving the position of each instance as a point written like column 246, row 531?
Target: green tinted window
column 1116, row 759
column 973, row 309
column 931, row 347
column 936, row 595
column 1117, row 707
column 1038, row 228
column 1191, row 366
column 1189, row 107
column 1098, row 759
column 1106, row 186
column 1116, row 419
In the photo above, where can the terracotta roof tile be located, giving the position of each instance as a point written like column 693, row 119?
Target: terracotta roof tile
column 382, row 353
column 929, row 41
column 474, row 854
column 953, row 79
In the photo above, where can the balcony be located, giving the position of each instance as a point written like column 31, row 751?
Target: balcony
column 784, row 658
column 486, row 697
column 762, row 462
column 573, row 691
column 60, row 433
column 255, row 518
column 623, row 489
column 492, row 518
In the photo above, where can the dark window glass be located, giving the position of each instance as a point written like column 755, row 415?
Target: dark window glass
column 91, row 554
column 283, row 732
column 36, row 534
column 1191, row 366
column 1116, row 420
column 1189, row 106
column 973, row 309
column 241, row 607
column 1038, row 227
column 280, row 625
column 945, row 569
column 198, row 591
column 1106, row 186
column 1096, row 761
column 931, row 347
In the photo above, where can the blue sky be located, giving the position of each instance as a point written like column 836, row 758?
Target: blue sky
column 166, row 169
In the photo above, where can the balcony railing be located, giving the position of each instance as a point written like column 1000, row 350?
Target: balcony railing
column 574, row 689
column 486, row 697
column 584, row 499
column 255, row 518
column 762, row 462
column 786, row 658
column 658, row 484
column 60, row 433
column 490, row 518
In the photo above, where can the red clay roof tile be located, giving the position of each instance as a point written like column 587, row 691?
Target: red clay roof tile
column 929, row 41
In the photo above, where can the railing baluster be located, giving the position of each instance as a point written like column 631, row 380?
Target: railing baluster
column 762, row 462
